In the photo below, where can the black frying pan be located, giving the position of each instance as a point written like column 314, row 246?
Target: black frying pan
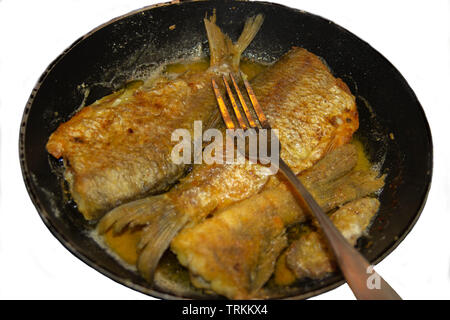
column 393, row 125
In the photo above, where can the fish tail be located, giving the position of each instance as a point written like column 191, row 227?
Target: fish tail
column 156, row 240
column 121, row 217
column 159, row 220
column 222, row 49
column 251, row 28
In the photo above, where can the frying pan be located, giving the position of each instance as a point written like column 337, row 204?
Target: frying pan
column 393, row 126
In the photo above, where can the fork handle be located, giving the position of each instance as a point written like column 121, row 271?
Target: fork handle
column 356, row 269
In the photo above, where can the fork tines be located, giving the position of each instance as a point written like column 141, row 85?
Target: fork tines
column 242, row 122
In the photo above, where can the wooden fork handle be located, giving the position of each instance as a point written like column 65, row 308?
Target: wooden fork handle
column 365, row 283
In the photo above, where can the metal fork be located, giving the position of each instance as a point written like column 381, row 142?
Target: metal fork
column 362, row 279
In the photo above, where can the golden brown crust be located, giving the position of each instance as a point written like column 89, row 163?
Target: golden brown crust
column 303, row 100
column 235, row 251
column 119, row 148
column 319, row 112
column 310, row 256
column 254, row 229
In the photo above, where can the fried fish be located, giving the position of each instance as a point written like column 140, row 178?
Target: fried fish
column 314, row 113
column 310, row 256
column 118, row 149
column 234, row 252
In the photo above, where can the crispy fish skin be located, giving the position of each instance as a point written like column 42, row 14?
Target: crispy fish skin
column 314, row 115
column 118, row 149
column 309, row 256
column 235, row 251
column 318, row 111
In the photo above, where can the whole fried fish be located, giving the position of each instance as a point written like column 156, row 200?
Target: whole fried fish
column 314, row 113
column 234, row 252
column 118, row 149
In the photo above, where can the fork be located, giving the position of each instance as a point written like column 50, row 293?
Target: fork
column 362, row 279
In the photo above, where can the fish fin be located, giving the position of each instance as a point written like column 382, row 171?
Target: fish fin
column 156, row 239
column 220, row 45
column 266, row 262
column 120, row 217
column 160, row 221
column 339, row 139
column 251, row 28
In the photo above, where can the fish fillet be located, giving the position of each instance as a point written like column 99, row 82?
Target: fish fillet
column 309, row 256
column 118, row 149
column 314, row 113
column 234, row 252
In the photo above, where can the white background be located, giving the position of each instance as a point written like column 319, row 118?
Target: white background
column 413, row 35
